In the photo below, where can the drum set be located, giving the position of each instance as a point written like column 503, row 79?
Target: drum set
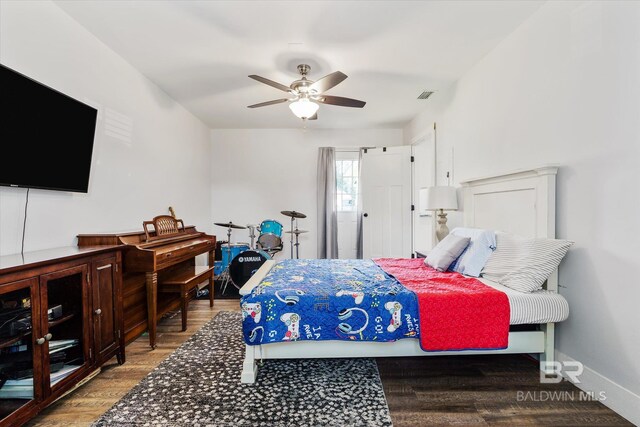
column 241, row 260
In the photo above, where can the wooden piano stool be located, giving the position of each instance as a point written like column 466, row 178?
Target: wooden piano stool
column 158, row 258
column 185, row 281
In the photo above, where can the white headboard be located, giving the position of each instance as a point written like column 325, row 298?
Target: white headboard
column 521, row 202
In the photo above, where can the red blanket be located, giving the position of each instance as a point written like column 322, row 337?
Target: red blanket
column 456, row 312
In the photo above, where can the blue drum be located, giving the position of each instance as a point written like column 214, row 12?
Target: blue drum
column 271, row 226
column 217, row 268
column 229, row 251
column 270, row 238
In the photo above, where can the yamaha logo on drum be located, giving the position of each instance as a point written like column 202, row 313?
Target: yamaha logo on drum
column 250, row 259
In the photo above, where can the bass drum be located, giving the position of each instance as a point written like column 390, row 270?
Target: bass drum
column 244, row 265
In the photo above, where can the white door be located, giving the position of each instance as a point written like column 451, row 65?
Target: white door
column 386, row 202
column 347, row 176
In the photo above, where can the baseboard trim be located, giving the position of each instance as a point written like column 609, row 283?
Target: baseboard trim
column 623, row 401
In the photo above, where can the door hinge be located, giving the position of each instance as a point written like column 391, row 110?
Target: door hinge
column 413, row 207
column 88, row 278
column 116, row 268
column 90, row 353
column 413, row 159
column 384, row 149
column 118, row 333
column 365, row 151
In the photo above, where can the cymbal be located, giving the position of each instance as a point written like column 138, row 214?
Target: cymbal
column 297, row 231
column 293, row 214
column 229, row 225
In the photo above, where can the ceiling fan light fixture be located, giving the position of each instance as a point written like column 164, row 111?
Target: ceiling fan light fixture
column 303, row 108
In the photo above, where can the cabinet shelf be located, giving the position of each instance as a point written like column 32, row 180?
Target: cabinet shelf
column 60, row 320
column 6, row 342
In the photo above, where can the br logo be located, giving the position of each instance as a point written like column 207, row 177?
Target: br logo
column 554, row 371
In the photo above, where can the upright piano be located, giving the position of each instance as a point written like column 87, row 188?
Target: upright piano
column 149, row 259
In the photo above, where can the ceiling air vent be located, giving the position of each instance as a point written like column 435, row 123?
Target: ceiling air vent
column 426, row 94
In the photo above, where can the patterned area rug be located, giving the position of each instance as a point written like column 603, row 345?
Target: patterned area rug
column 199, row 385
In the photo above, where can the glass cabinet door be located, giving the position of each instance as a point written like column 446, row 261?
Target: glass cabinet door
column 64, row 297
column 18, row 347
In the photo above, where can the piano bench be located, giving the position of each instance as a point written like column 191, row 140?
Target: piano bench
column 184, row 280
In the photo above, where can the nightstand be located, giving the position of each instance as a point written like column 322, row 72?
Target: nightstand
column 421, row 254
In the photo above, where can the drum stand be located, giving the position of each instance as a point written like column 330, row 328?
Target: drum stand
column 294, row 216
column 252, row 235
column 291, row 238
column 297, row 244
column 225, row 278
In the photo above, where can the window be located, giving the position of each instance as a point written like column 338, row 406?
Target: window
column 347, row 185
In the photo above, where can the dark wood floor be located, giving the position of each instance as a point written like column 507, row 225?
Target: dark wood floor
column 484, row 390
column 422, row 391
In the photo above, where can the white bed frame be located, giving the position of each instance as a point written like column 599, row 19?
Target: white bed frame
column 521, row 202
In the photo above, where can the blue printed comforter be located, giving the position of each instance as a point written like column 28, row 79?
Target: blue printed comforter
column 316, row 299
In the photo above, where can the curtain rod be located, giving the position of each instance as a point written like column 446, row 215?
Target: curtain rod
column 348, row 150
column 354, row 149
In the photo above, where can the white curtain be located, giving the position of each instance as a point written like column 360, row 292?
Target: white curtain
column 327, row 212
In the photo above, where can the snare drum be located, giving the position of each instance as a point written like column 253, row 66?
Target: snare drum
column 269, row 242
column 230, row 251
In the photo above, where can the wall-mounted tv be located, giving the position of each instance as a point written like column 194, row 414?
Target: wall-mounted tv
column 46, row 137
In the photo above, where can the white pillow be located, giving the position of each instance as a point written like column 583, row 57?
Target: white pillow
column 446, row 251
column 475, row 256
column 523, row 264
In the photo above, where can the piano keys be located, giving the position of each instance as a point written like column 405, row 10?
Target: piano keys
column 149, row 259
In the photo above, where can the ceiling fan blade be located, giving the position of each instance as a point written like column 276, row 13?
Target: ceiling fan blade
column 264, row 104
column 314, row 117
column 271, row 83
column 343, row 102
column 328, row 81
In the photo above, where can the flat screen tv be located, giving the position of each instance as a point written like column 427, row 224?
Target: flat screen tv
column 46, row 137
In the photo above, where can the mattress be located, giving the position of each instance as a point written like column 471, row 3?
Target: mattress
column 533, row 307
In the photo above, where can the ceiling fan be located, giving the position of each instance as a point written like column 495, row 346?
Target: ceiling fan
column 306, row 94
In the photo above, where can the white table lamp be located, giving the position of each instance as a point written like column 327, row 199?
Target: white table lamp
column 439, row 198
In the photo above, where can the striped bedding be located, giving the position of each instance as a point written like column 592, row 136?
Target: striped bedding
column 522, row 263
column 533, row 307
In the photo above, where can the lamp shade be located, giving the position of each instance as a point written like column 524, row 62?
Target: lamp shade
column 303, row 108
column 439, row 197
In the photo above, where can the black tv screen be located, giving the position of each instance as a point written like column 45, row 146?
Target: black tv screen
column 45, row 135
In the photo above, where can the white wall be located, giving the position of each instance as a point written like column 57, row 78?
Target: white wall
column 423, row 149
column 164, row 160
column 257, row 173
column 565, row 88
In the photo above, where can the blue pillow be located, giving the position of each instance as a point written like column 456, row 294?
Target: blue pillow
column 475, row 256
